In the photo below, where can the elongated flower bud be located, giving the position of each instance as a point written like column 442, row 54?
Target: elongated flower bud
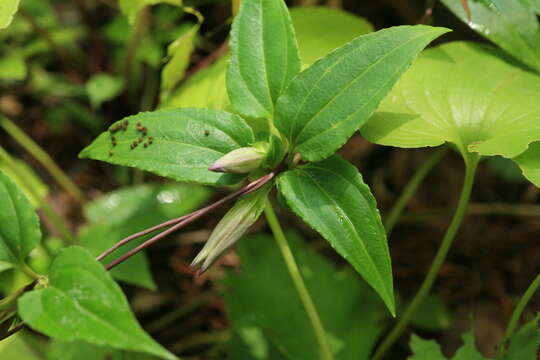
column 239, row 161
column 232, row 226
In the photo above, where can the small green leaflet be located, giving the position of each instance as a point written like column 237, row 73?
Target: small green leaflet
column 20, row 231
column 84, row 303
column 326, row 103
column 180, row 144
column 131, row 8
column 333, row 199
column 264, row 56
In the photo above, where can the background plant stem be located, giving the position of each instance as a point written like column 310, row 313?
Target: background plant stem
column 411, row 188
column 471, row 163
column 44, row 159
column 516, row 315
column 292, row 267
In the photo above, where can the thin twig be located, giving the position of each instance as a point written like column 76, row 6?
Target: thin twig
column 180, row 222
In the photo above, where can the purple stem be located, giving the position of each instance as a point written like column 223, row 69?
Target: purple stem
column 181, row 222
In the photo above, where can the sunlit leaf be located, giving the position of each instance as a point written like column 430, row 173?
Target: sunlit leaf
column 8, row 8
column 12, row 65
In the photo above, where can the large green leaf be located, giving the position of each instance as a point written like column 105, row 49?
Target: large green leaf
column 511, row 24
column 206, row 88
column 326, row 103
column 264, row 56
column 268, row 318
column 80, row 350
column 118, row 214
column 84, row 303
column 8, row 8
column 19, row 224
column 320, row 30
column 332, row 197
column 464, row 93
column 185, row 143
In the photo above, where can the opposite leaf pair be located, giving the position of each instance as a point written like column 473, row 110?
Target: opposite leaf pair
column 310, row 113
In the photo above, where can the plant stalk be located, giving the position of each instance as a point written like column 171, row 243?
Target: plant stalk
column 411, row 188
column 471, row 163
column 516, row 315
column 43, row 158
column 296, row 276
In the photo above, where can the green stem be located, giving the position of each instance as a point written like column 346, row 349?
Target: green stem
column 292, row 267
column 44, row 159
column 470, row 170
column 58, row 223
column 411, row 187
column 516, row 315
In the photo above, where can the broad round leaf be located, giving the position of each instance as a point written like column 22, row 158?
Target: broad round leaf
column 463, row 93
column 185, row 142
column 264, row 56
column 326, row 103
column 83, row 302
column 8, row 8
column 333, row 199
column 19, row 229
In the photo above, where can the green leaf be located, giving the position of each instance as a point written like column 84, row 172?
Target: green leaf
column 437, row 101
column 103, row 87
column 326, row 103
column 207, row 89
column 19, row 232
column 529, row 163
column 511, row 24
column 8, row 8
column 432, row 314
column 320, row 29
column 268, row 318
column 264, row 56
column 131, row 8
column 333, row 199
column 12, row 66
column 425, row 349
column 468, row 350
column 15, row 347
column 179, row 52
column 524, row 344
column 185, row 143
column 82, row 302
column 121, row 213
column 80, row 350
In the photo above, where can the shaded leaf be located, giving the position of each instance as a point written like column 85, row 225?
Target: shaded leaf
column 333, row 199
column 326, row 103
column 425, row 349
column 529, row 163
column 131, row 8
column 80, row 350
column 82, row 302
column 19, row 232
column 437, row 101
column 185, row 143
column 264, row 56
column 121, row 213
column 525, row 343
column 468, row 350
column 15, row 347
column 267, row 315
column 511, row 24
column 103, row 87
column 432, row 314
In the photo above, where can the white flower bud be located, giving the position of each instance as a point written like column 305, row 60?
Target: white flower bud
column 232, row 226
column 240, row 161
